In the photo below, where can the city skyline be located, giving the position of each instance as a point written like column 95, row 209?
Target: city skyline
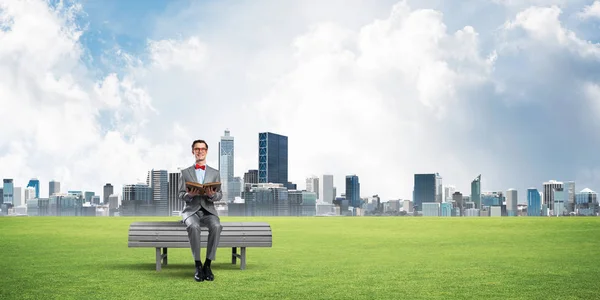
column 385, row 90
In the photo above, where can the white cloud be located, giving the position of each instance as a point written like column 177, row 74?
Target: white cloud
column 380, row 96
column 189, row 54
column 51, row 106
column 592, row 91
column 590, row 11
column 543, row 26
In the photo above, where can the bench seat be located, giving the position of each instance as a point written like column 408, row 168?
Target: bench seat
column 174, row 235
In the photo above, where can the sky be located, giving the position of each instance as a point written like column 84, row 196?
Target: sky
column 95, row 91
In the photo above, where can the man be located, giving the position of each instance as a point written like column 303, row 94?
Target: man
column 200, row 210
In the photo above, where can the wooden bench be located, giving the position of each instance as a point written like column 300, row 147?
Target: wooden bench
column 174, row 235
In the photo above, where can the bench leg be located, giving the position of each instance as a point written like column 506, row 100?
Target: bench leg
column 233, row 254
column 158, row 257
column 243, row 258
column 164, row 256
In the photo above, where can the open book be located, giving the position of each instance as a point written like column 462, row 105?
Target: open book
column 202, row 187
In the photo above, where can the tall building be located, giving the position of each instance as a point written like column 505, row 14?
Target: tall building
column 236, row 187
column 560, row 199
column 446, row 209
column 439, row 189
column 137, row 200
column 88, row 196
column 458, row 199
column 29, row 194
column 53, row 188
column 448, row 192
column 570, row 204
column 272, row 158
column 534, row 202
column 251, row 177
column 586, row 202
column 549, row 194
column 511, row 202
column 353, row 190
column 113, row 204
column 226, row 162
column 107, row 190
column 302, row 203
column 267, row 199
column 17, row 197
column 8, row 192
column 158, row 181
column 491, row 199
column 476, row 191
column 175, row 205
column 326, row 189
column 65, row 205
column 407, row 206
column 430, row 209
column 312, row 185
column 35, row 183
column 427, row 189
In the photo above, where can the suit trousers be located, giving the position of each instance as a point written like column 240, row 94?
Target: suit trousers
column 213, row 223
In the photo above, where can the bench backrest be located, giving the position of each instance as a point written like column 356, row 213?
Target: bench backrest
column 174, row 235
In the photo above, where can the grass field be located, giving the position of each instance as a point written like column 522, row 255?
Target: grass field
column 350, row 258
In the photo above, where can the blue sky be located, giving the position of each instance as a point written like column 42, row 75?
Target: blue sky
column 509, row 89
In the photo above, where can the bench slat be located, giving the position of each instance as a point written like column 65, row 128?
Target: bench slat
column 202, row 244
column 137, row 238
column 204, row 233
column 178, row 223
column 138, row 228
column 181, row 239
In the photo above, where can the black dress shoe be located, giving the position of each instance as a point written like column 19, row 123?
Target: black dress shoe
column 208, row 275
column 199, row 276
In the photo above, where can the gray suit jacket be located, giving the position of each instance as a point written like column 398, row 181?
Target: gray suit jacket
column 193, row 204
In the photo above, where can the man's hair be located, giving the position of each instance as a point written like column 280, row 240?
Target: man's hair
column 199, row 141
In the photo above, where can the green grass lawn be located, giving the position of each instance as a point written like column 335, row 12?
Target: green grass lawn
column 345, row 257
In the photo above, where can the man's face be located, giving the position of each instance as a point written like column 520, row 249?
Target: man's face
column 200, row 151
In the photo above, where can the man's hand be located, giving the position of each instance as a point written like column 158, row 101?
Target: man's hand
column 193, row 192
column 211, row 192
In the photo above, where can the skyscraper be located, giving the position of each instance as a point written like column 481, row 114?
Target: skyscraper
column 17, row 197
column 426, row 189
column 570, row 203
column 353, row 190
column 35, row 183
column 88, row 196
column 53, row 187
column 251, row 177
column 534, row 202
column 137, row 200
column 226, row 162
column 549, row 194
column 312, row 185
column 559, row 195
column 106, row 192
column 476, row 191
column 174, row 203
column 458, row 199
column 29, row 194
column 448, row 192
column 326, row 189
column 158, row 181
column 511, row 202
column 272, row 158
column 586, row 202
column 439, row 189
column 8, row 192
